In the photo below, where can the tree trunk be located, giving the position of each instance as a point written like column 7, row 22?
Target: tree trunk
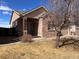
column 59, row 34
column 57, row 41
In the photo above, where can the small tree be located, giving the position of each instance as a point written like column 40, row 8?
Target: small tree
column 60, row 12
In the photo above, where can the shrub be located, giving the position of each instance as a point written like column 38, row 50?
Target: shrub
column 26, row 38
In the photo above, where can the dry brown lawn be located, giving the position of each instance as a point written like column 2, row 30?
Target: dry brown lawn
column 38, row 50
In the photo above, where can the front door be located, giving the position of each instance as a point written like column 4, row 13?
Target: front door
column 32, row 26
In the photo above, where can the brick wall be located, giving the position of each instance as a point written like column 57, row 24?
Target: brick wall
column 20, row 26
column 47, row 33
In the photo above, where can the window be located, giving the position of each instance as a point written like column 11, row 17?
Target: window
column 50, row 26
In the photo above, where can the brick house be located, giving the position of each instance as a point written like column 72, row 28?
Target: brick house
column 32, row 23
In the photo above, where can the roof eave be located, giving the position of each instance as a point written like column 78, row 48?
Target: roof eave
column 36, row 9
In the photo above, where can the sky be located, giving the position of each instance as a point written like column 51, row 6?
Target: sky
column 6, row 7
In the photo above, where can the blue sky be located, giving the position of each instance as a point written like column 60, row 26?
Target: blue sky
column 6, row 6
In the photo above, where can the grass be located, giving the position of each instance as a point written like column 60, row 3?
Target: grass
column 38, row 50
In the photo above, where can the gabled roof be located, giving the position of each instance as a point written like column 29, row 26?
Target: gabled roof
column 27, row 12
column 35, row 10
column 12, row 15
column 22, row 13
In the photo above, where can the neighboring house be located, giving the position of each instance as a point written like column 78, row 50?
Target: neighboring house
column 32, row 23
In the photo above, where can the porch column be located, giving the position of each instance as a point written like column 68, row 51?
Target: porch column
column 40, row 27
column 24, row 26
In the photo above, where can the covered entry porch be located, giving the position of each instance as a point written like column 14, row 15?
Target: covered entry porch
column 32, row 26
